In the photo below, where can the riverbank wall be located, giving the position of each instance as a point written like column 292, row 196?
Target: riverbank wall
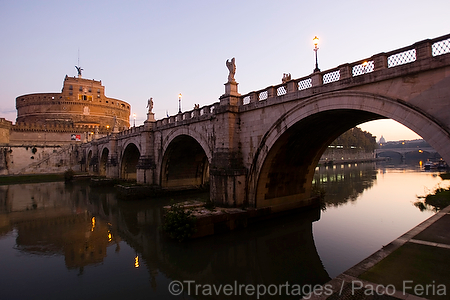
column 338, row 156
column 38, row 159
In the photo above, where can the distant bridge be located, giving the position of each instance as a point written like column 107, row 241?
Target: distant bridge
column 403, row 151
column 261, row 149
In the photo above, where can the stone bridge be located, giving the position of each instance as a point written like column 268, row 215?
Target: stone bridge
column 402, row 152
column 261, row 149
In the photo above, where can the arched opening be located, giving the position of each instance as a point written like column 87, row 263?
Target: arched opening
column 283, row 165
column 103, row 162
column 393, row 156
column 129, row 162
column 185, row 164
column 287, row 172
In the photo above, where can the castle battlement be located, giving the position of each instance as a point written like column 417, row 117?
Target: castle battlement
column 55, row 127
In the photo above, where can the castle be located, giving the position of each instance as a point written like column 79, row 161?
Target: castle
column 48, row 122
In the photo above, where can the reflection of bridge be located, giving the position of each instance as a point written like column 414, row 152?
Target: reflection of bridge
column 261, row 149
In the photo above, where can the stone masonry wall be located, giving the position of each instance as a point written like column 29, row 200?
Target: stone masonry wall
column 32, row 159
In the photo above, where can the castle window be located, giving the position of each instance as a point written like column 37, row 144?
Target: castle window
column 98, row 91
column 70, row 87
column 98, row 96
column 107, row 101
column 81, row 89
column 90, row 90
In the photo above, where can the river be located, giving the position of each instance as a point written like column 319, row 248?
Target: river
column 75, row 241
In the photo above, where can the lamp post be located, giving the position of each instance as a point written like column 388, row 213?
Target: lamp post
column 179, row 103
column 316, row 42
column 134, row 119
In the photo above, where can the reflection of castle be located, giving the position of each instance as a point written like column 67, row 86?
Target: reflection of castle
column 80, row 238
column 52, row 219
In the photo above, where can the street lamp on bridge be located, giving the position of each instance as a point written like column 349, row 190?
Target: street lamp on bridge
column 316, row 42
column 134, row 118
column 179, row 103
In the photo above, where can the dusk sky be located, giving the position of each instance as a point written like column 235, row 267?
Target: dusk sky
column 158, row 49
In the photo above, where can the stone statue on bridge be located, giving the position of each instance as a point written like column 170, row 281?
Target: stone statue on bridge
column 232, row 69
column 150, row 105
column 286, row 77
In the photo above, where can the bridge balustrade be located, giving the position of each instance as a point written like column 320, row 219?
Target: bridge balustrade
column 405, row 55
column 282, row 90
column 332, row 76
column 440, row 47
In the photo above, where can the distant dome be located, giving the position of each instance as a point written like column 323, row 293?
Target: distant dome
column 382, row 140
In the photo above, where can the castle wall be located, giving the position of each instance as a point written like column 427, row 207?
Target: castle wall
column 5, row 126
column 54, row 134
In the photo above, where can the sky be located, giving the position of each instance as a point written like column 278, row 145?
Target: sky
column 159, row 49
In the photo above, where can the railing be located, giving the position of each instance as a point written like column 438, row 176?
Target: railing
column 420, row 50
column 194, row 115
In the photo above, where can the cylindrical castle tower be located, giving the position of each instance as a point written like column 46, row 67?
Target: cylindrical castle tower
column 82, row 102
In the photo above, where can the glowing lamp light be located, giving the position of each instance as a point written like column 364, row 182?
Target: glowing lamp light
column 92, row 223
column 315, row 41
column 136, row 262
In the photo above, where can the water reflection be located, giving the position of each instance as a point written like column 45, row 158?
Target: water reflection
column 76, row 241
column 81, row 223
column 344, row 182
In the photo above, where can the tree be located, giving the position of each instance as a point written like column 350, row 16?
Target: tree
column 355, row 138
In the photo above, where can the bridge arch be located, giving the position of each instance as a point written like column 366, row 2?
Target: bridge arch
column 129, row 162
column 185, row 163
column 283, row 166
column 199, row 138
column 103, row 162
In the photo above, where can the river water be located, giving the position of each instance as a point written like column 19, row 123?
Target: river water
column 75, row 241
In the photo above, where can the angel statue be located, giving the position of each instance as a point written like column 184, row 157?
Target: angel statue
column 232, row 69
column 79, row 69
column 150, row 105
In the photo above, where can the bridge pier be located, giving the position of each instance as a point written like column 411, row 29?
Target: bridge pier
column 227, row 180
column 227, row 171
column 112, row 169
column 146, row 165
